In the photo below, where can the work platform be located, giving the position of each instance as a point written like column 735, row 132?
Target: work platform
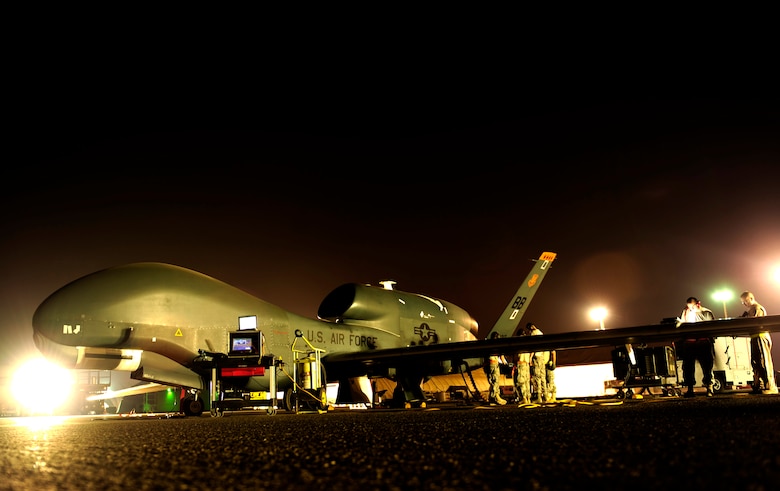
column 642, row 368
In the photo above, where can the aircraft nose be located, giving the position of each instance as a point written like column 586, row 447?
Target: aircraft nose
column 48, row 326
column 65, row 356
column 81, row 312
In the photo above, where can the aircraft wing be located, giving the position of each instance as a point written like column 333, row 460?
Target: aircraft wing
column 657, row 333
column 129, row 391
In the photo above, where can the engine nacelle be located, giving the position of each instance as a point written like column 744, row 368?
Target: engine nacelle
column 384, row 308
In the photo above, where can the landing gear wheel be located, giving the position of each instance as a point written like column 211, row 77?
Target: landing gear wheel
column 192, row 406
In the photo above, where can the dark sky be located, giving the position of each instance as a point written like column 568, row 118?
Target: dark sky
column 646, row 200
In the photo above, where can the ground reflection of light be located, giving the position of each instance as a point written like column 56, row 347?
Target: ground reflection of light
column 37, row 447
column 40, row 423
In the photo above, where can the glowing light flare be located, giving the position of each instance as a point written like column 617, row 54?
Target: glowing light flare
column 41, row 387
column 723, row 296
column 599, row 314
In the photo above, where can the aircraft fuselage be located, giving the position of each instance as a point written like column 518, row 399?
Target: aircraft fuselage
column 155, row 319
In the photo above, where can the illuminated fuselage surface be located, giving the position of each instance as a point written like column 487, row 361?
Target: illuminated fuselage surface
column 160, row 317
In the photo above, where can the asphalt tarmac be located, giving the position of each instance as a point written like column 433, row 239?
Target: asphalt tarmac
column 725, row 442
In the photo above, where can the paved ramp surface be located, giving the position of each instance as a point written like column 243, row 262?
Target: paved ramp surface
column 726, row 442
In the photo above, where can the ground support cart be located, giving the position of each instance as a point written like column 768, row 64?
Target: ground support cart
column 309, row 391
column 229, row 375
column 642, row 368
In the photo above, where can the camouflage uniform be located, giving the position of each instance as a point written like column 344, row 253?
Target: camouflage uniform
column 493, row 374
column 549, row 373
column 538, row 363
column 760, row 349
column 523, row 378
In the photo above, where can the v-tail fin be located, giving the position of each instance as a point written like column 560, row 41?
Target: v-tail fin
column 510, row 319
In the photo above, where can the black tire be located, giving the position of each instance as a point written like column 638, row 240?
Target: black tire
column 192, row 406
column 289, row 400
column 322, row 399
column 312, row 399
column 719, row 382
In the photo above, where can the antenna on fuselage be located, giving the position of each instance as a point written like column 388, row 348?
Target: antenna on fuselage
column 387, row 284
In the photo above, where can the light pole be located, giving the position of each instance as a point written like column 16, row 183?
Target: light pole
column 598, row 314
column 723, row 296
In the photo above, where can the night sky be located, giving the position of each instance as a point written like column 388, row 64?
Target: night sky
column 646, row 201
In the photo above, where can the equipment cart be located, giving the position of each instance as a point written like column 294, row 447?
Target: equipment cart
column 309, row 391
column 644, row 367
column 231, row 372
column 229, row 382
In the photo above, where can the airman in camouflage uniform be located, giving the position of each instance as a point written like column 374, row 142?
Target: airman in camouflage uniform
column 523, row 378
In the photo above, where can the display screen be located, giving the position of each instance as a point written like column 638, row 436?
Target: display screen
column 243, row 345
column 247, row 323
